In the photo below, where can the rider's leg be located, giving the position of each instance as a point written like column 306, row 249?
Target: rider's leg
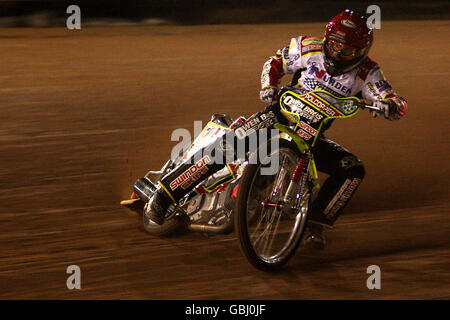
column 181, row 180
column 346, row 173
column 200, row 166
column 185, row 177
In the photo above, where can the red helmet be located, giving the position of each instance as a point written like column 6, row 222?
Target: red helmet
column 347, row 42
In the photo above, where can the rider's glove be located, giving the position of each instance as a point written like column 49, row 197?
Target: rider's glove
column 268, row 94
column 387, row 108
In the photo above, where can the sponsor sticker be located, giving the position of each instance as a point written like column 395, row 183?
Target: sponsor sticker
column 297, row 106
column 343, row 195
column 322, row 105
column 348, row 23
column 312, row 47
column 349, row 107
column 338, row 37
column 307, row 128
column 313, row 41
column 264, row 120
column 192, row 174
column 303, row 134
column 383, row 85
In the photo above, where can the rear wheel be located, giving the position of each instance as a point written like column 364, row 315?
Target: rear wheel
column 269, row 229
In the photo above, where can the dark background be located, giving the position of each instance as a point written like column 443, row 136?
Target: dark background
column 51, row 13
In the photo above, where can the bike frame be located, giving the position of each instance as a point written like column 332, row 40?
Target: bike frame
column 317, row 100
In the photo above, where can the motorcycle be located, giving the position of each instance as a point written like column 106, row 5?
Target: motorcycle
column 208, row 208
column 269, row 212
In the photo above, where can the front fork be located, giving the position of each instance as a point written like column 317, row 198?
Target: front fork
column 298, row 178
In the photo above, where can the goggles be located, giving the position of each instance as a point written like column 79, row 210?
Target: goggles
column 341, row 52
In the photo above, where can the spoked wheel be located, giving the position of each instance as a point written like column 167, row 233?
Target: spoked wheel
column 269, row 229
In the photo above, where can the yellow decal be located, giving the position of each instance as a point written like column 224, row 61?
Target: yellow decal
column 293, row 44
column 309, row 41
column 371, row 88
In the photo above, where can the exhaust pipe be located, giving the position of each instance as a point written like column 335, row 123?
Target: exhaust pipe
column 144, row 189
column 224, row 228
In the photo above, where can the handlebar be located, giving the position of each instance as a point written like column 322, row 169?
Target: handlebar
column 362, row 105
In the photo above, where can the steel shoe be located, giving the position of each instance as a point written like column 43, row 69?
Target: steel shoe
column 314, row 238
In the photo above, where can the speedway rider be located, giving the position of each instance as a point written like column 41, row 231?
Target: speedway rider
column 337, row 63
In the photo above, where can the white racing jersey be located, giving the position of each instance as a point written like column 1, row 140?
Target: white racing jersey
column 305, row 54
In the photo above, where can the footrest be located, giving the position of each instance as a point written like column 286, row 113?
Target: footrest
column 136, row 206
column 129, row 202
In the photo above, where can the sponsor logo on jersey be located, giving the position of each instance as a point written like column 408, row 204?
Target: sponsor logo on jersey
column 311, row 40
column 312, row 47
column 192, row 174
column 286, row 53
column 314, row 70
column 383, row 85
column 327, row 79
column 372, row 89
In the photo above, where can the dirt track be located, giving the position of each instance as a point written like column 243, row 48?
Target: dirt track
column 84, row 114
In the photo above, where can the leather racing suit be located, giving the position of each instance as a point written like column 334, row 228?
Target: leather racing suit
column 304, row 58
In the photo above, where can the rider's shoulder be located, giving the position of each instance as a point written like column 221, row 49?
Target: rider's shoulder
column 310, row 45
column 305, row 44
column 308, row 40
column 367, row 66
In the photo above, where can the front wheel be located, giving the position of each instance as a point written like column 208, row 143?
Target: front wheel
column 270, row 228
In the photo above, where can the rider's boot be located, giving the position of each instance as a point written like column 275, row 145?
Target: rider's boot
column 314, row 237
column 156, row 208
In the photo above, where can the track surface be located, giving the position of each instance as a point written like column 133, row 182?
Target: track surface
column 84, row 114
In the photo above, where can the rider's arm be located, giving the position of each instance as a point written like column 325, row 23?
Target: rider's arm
column 378, row 90
column 272, row 71
column 286, row 60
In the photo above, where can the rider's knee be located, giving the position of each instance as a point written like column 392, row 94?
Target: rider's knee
column 352, row 167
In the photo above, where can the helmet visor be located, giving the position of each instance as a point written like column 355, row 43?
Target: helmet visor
column 339, row 51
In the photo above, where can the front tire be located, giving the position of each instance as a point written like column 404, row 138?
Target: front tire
column 251, row 215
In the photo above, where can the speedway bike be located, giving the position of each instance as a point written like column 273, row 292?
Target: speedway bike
column 269, row 213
